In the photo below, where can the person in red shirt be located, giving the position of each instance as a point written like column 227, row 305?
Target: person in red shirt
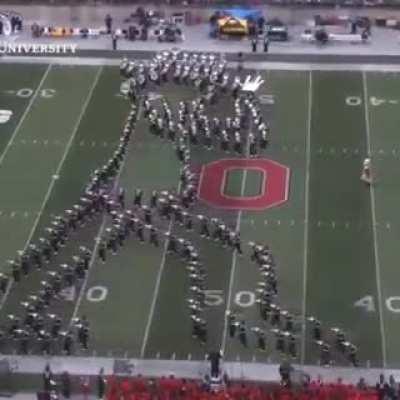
column 125, row 388
column 191, row 388
column 139, row 384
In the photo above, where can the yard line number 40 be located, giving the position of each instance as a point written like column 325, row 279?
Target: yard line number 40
column 373, row 101
column 368, row 303
column 95, row 294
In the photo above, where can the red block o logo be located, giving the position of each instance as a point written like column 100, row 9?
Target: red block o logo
column 274, row 191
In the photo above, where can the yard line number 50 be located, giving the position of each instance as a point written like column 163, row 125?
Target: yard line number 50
column 368, row 303
column 28, row 92
column 244, row 298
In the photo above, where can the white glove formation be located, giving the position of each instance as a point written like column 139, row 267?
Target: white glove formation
column 252, row 84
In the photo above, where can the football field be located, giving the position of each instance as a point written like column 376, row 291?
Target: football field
column 334, row 238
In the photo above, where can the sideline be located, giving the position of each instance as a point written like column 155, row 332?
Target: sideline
column 252, row 371
column 257, row 65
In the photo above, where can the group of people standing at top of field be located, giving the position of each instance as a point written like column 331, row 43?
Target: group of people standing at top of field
column 265, row 43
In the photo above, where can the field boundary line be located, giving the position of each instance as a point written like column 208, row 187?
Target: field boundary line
column 306, row 219
column 24, row 115
column 54, row 179
column 257, row 371
column 375, row 234
column 251, row 65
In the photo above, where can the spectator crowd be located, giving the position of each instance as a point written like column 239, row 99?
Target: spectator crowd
column 171, row 388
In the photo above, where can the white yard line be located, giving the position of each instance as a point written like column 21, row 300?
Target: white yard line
column 234, row 256
column 156, row 291
column 155, row 295
column 233, row 267
column 26, row 112
column 54, row 178
column 94, row 253
column 92, row 259
column 306, row 221
column 95, row 248
column 373, row 212
column 66, row 151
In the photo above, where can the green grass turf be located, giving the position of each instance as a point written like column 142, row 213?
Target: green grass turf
column 131, row 275
column 384, row 121
column 282, row 226
column 171, row 318
column 86, row 153
column 339, row 261
column 340, row 254
column 253, row 187
column 15, row 77
column 95, row 139
column 27, row 172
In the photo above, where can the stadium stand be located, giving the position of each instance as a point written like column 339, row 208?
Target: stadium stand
column 206, row 3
